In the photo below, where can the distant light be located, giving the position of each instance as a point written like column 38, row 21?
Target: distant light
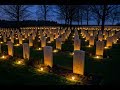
column 72, row 53
column 114, row 42
column 41, row 69
column 73, row 78
column 85, row 40
column 49, row 42
column 17, row 45
column 106, row 47
column 55, row 50
column 104, row 38
column 39, row 48
column 19, row 62
column 97, row 56
column 1, row 42
column 3, row 56
column 23, row 39
column 89, row 45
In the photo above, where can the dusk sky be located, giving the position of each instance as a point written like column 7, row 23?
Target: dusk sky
column 52, row 15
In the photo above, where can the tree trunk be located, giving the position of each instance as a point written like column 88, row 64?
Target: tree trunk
column 78, row 21
column 103, row 18
column 98, row 22
column 18, row 17
column 113, row 21
column 78, row 17
column 81, row 22
column 81, row 19
column 65, row 21
column 87, row 16
column 70, row 23
column 45, row 14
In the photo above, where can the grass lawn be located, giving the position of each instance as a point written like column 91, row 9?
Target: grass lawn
column 108, row 68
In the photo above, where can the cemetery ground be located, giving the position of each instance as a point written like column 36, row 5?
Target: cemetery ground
column 97, row 72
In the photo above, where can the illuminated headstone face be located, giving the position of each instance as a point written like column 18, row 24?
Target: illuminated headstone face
column 56, row 36
column 77, row 44
column 109, row 42
column 78, row 62
column 12, row 39
column 4, row 38
column 10, row 48
column 105, row 35
column 8, row 34
column 100, row 37
column 48, row 56
column 91, row 40
column 26, row 35
column 51, row 37
column 76, row 32
column 100, row 32
column 76, row 37
column 110, row 33
column 33, row 35
column 26, row 51
column 20, row 39
column 87, row 36
column 63, row 37
column 30, row 41
column 43, row 41
column 91, row 32
column 99, row 48
column 95, row 33
column 114, row 39
column 0, row 49
column 58, row 43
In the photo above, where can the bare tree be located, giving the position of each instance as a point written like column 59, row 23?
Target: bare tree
column 96, row 17
column 87, row 13
column 16, row 12
column 42, row 11
column 62, row 13
column 103, row 11
column 114, row 15
column 67, row 13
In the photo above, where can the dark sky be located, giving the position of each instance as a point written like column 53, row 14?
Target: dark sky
column 52, row 16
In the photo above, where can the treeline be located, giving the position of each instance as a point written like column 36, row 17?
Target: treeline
column 101, row 14
column 26, row 23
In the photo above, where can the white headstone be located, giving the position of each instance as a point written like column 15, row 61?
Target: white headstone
column 58, row 43
column 99, row 48
column 10, row 48
column 109, row 42
column 43, row 41
column 30, row 41
column 77, row 44
column 78, row 62
column 48, row 56
column 91, row 40
column 26, row 51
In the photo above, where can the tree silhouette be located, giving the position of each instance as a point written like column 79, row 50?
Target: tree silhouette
column 42, row 12
column 16, row 12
